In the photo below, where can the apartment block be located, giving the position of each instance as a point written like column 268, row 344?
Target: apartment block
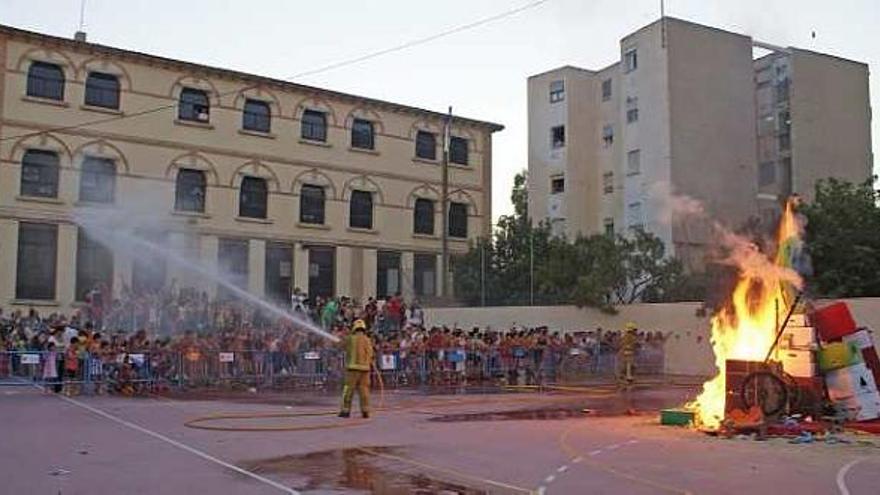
column 688, row 110
column 278, row 185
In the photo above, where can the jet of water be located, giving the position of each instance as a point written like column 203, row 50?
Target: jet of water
column 119, row 239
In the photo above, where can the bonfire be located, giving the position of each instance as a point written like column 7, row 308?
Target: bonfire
column 745, row 328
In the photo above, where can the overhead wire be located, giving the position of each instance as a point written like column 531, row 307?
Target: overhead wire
column 318, row 70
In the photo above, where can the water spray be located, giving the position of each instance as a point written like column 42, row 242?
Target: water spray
column 105, row 232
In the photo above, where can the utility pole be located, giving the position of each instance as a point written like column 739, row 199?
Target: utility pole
column 444, row 208
column 482, row 273
column 531, row 266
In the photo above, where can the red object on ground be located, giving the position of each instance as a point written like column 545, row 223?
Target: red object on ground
column 780, row 430
column 866, row 426
column 833, row 321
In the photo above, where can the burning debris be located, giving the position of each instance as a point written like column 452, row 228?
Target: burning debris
column 768, row 355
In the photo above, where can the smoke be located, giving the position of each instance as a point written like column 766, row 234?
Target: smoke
column 724, row 246
column 127, row 232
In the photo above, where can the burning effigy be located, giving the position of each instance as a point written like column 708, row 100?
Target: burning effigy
column 773, row 350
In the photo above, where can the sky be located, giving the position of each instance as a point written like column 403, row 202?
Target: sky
column 481, row 72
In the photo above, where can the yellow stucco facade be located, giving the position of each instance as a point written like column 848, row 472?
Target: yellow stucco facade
column 149, row 144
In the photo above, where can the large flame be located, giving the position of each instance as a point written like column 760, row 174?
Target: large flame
column 746, row 327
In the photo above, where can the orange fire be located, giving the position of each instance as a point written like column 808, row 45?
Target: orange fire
column 745, row 328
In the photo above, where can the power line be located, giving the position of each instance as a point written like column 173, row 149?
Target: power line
column 329, row 67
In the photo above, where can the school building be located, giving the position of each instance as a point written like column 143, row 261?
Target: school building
column 281, row 185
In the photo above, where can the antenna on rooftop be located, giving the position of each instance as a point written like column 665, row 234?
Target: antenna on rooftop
column 80, row 34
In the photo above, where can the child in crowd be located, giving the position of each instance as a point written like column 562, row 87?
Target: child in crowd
column 50, row 370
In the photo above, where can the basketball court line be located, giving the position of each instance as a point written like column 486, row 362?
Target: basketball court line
column 179, row 445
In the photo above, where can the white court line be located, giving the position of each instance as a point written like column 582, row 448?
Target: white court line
column 180, row 445
column 841, row 475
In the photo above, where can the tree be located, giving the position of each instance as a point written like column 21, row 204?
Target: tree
column 598, row 271
column 843, row 237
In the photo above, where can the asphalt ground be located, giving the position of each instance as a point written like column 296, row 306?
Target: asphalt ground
column 469, row 443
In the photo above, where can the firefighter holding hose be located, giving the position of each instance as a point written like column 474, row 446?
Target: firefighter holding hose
column 358, row 360
column 627, row 353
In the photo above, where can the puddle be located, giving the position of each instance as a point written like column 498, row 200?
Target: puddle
column 625, row 404
column 527, row 414
column 356, row 471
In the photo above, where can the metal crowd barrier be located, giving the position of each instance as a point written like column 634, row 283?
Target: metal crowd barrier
column 142, row 372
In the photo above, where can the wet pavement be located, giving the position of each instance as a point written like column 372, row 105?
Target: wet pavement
column 515, row 442
column 356, row 469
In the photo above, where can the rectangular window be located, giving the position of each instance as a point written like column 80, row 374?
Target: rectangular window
column 279, row 272
column 362, row 134
column 314, row 125
column 102, row 90
column 633, row 162
column 98, row 180
column 766, row 173
column 557, row 185
column 425, row 274
column 387, row 274
column 784, row 142
column 257, row 116
column 632, row 109
column 608, row 183
column 190, row 190
column 322, row 272
column 458, row 220
column 232, row 260
column 253, row 198
column 37, row 258
column 609, row 226
column 458, row 150
column 608, row 135
column 311, row 204
column 632, row 115
column 606, row 90
column 94, row 267
column 426, row 145
column 150, row 269
column 557, row 91
column 557, row 136
column 194, row 105
column 39, row 174
column 423, row 216
column 360, row 213
column 634, row 215
column 630, row 60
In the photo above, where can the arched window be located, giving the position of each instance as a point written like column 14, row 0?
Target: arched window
column 360, row 213
column 39, row 174
column 194, row 105
column 190, row 190
column 314, row 125
column 426, row 145
column 257, row 116
column 45, row 80
column 253, row 198
column 458, row 150
column 98, row 180
column 102, row 90
column 423, row 217
column 362, row 134
column 311, row 204
column 458, row 220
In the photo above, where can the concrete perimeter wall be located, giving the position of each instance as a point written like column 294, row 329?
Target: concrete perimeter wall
column 688, row 351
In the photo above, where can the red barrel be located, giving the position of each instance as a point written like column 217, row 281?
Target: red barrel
column 833, row 321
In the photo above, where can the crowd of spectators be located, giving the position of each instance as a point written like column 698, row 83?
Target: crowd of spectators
column 179, row 334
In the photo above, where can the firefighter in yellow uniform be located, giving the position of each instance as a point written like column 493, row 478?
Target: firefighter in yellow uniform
column 358, row 359
column 627, row 353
